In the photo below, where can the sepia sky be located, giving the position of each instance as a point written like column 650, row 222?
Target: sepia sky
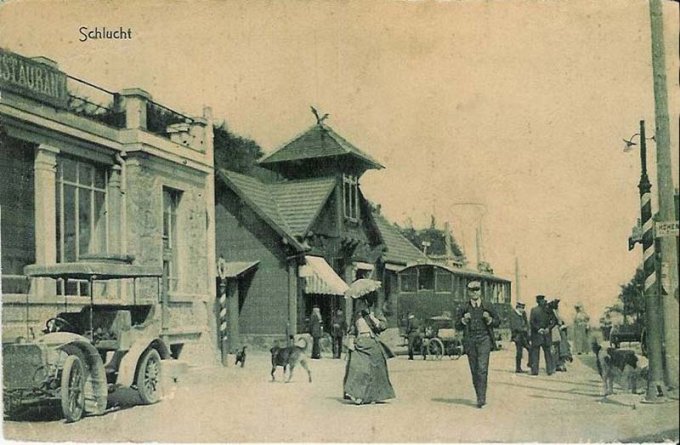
column 519, row 106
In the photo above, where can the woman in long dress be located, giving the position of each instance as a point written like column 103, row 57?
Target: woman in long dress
column 366, row 377
column 581, row 322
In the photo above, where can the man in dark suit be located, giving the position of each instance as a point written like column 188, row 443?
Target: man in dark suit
column 413, row 334
column 316, row 331
column 338, row 331
column 539, row 319
column 477, row 319
column 519, row 328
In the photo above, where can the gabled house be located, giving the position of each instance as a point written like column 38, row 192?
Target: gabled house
column 311, row 232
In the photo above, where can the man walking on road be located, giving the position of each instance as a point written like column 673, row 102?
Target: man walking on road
column 338, row 331
column 519, row 327
column 539, row 320
column 413, row 334
column 477, row 319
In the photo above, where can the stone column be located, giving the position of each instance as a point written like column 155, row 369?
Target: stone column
column 45, row 180
column 114, row 209
column 134, row 102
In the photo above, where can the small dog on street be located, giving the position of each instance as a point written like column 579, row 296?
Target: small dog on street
column 241, row 357
column 615, row 363
column 289, row 357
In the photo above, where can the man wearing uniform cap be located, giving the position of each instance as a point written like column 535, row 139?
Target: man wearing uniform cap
column 539, row 320
column 477, row 319
column 519, row 328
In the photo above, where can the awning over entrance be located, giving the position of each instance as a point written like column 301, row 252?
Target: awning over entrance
column 234, row 269
column 320, row 278
column 360, row 265
column 393, row 267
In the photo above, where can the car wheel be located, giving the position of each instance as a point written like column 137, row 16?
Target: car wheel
column 73, row 388
column 436, row 348
column 149, row 377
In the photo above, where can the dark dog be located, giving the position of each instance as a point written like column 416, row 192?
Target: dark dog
column 241, row 357
column 289, row 357
column 613, row 363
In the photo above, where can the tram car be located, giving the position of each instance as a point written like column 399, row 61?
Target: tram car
column 429, row 290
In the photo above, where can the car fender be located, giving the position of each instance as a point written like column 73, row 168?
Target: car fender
column 95, row 403
column 59, row 339
column 128, row 365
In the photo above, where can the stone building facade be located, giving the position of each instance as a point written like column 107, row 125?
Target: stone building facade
column 89, row 172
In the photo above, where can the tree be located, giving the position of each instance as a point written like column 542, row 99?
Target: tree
column 631, row 296
column 233, row 152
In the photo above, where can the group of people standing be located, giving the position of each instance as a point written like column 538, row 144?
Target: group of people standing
column 366, row 374
column 546, row 330
column 338, row 331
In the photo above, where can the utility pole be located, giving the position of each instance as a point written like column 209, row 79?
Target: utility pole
column 517, row 294
column 655, row 383
column 668, row 285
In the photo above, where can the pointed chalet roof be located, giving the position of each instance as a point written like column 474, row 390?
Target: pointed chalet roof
column 299, row 202
column 317, row 142
column 399, row 250
column 290, row 207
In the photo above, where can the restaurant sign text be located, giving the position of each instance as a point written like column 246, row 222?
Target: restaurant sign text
column 31, row 78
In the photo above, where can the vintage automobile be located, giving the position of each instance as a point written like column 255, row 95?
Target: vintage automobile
column 86, row 354
column 629, row 333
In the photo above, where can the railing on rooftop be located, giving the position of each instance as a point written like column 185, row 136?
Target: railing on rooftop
column 93, row 102
column 159, row 118
column 96, row 103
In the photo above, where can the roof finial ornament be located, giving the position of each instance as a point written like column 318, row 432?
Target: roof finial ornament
column 319, row 120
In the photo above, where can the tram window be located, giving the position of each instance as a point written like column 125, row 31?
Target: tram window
column 444, row 281
column 408, row 281
column 426, row 278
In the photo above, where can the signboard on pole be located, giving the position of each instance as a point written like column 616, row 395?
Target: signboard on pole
column 666, row 228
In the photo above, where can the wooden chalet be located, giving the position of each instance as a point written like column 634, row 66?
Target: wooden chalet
column 305, row 236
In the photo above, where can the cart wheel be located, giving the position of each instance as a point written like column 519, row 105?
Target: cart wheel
column 436, row 348
column 73, row 388
column 149, row 377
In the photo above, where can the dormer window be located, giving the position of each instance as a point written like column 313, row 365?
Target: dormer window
column 350, row 193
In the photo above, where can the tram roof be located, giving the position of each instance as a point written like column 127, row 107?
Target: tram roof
column 460, row 271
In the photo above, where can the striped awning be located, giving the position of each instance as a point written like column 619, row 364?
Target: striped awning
column 320, row 278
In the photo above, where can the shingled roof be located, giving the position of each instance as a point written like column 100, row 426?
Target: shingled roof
column 399, row 250
column 317, row 142
column 290, row 207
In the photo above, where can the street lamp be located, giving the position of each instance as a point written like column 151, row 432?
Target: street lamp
column 655, row 384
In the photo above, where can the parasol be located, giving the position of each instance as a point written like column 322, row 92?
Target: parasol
column 362, row 287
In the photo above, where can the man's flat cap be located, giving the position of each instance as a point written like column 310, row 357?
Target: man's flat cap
column 473, row 285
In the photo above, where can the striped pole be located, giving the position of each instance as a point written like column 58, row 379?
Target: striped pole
column 222, row 315
column 655, row 387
